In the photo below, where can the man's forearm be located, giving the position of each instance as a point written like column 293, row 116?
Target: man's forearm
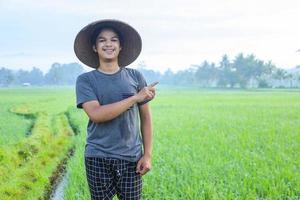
column 110, row 111
column 146, row 129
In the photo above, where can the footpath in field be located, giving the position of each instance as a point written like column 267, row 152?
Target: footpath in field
column 30, row 167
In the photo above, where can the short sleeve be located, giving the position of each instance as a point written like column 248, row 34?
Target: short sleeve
column 84, row 91
column 142, row 83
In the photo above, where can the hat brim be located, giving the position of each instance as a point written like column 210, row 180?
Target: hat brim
column 131, row 45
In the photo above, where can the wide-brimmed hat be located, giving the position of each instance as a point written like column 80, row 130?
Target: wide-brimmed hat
column 131, row 42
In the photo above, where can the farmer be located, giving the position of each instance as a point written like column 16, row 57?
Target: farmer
column 115, row 99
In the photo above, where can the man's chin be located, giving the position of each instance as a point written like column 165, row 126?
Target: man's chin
column 108, row 60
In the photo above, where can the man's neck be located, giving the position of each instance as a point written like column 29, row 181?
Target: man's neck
column 109, row 67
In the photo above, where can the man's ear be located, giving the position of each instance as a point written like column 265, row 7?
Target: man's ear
column 94, row 49
column 120, row 48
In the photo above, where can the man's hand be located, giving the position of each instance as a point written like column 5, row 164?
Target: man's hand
column 143, row 165
column 146, row 93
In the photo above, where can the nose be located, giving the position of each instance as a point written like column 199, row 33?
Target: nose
column 108, row 43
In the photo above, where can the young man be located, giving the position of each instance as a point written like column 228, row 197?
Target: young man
column 115, row 99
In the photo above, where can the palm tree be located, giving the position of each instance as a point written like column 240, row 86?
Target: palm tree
column 280, row 75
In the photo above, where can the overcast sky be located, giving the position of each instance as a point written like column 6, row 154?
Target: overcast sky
column 176, row 34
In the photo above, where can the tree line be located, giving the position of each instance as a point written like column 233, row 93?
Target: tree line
column 244, row 71
column 58, row 74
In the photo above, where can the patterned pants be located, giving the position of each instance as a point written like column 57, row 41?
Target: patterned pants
column 108, row 176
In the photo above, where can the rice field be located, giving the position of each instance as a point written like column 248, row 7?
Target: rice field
column 208, row 144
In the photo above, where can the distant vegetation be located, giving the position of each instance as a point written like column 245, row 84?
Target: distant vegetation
column 59, row 74
column 244, row 71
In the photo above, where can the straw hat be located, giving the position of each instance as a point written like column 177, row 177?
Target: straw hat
column 131, row 42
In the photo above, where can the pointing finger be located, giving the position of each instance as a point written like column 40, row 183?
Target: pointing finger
column 154, row 84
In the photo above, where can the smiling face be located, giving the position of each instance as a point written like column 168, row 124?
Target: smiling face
column 107, row 45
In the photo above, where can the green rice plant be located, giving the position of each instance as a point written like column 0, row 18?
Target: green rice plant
column 208, row 144
column 29, row 166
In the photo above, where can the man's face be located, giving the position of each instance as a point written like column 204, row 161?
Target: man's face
column 107, row 45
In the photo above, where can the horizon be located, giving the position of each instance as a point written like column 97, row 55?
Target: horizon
column 87, row 69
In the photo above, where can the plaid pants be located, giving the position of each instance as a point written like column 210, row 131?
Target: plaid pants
column 108, row 176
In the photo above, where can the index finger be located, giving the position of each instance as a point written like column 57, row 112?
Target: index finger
column 154, row 84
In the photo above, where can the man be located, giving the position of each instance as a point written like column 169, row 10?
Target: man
column 115, row 99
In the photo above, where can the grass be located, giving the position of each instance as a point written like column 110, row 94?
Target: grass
column 228, row 145
column 208, row 144
column 29, row 164
column 217, row 145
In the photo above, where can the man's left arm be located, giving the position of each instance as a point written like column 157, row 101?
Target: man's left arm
column 144, row 164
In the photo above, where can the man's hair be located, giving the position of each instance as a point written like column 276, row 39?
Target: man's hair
column 97, row 31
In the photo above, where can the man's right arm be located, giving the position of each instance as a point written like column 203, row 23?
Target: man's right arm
column 102, row 113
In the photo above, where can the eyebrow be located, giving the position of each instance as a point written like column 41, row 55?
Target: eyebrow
column 100, row 37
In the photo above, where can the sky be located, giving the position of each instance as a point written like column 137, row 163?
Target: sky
column 175, row 34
